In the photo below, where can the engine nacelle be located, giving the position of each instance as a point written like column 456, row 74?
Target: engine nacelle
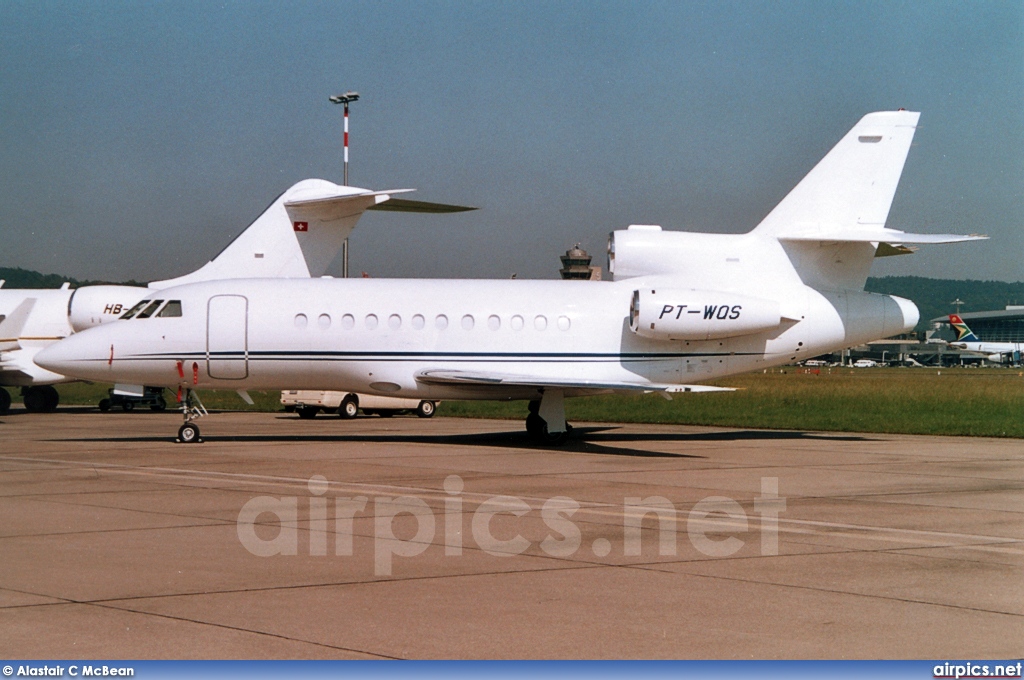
column 94, row 305
column 675, row 314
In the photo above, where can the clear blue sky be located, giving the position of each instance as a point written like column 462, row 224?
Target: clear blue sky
column 139, row 138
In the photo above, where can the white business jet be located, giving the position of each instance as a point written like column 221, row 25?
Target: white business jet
column 296, row 237
column 683, row 308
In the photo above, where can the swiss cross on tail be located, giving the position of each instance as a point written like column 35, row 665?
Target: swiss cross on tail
column 300, row 226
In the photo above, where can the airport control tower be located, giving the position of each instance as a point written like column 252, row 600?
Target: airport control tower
column 576, row 265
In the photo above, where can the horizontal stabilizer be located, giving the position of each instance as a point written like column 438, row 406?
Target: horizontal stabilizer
column 340, row 195
column 14, row 324
column 487, row 379
column 405, row 205
column 890, row 236
column 300, row 233
column 889, row 250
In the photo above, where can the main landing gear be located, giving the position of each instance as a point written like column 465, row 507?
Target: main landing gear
column 546, row 422
column 40, row 398
column 191, row 409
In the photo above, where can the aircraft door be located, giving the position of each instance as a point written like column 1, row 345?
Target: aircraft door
column 227, row 347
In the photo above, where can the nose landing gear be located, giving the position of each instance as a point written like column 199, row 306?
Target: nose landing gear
column 191, row 409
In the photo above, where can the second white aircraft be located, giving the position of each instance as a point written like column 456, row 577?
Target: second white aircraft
column 683, row 308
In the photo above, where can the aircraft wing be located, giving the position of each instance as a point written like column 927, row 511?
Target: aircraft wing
column 489, row 379
column 12, row 326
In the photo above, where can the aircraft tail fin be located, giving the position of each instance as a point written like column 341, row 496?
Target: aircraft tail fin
column 853, row 186
column 300, row 233
column 963, row 333
column 12, row 326
column 832, row 224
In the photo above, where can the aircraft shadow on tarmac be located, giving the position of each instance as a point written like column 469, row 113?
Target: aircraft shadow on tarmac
column 592, row 440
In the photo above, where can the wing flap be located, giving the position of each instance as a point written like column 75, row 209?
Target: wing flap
column 488, row 379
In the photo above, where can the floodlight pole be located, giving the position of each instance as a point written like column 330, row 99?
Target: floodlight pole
column 345, row 99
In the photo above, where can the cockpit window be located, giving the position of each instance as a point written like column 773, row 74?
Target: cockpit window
column 172, row 308
column 134, row 310
column 148, row 311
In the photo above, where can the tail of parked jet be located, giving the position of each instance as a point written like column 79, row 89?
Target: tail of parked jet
column 298, row 236
column 832, row 223
column 301, row 232
column 963, row 333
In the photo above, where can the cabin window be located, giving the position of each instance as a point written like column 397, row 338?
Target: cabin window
column 516, row 323
column 418, row 322
column 324, row 321
column 348, row 322
column 563, row 323
column 493, row 322
column 394, row 322
column 171, row 309
column 301, row 320
column 540, row 322
column 467, row 322
column 148, row 311
column 135, row 310
column 441, row 322
column 371, row 321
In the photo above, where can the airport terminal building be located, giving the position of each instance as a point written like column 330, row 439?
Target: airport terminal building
column 931, row 347
column 1004, row 325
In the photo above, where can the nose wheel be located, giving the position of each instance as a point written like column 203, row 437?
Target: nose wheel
column 188, row 434
column 191, row 409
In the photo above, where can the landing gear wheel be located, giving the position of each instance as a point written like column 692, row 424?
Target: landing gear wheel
column 104, row 404
column 555, row 437
column 188, row 434
column 41, row 398
column 127, row 406
column 307, row 412
column 349, row 408
column 52, row 398
column 5, row 401
column 535, row 426
column 426, row 409
column 159, row 405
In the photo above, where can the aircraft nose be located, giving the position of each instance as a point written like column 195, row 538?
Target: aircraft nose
column 75, row 356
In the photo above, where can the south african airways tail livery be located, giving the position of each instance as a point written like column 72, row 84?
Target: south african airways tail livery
column 994, row 351
column 683, row 308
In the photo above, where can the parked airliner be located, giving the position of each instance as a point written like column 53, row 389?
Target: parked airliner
column 296, row 237
column 683, row 308
column 994, row 351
